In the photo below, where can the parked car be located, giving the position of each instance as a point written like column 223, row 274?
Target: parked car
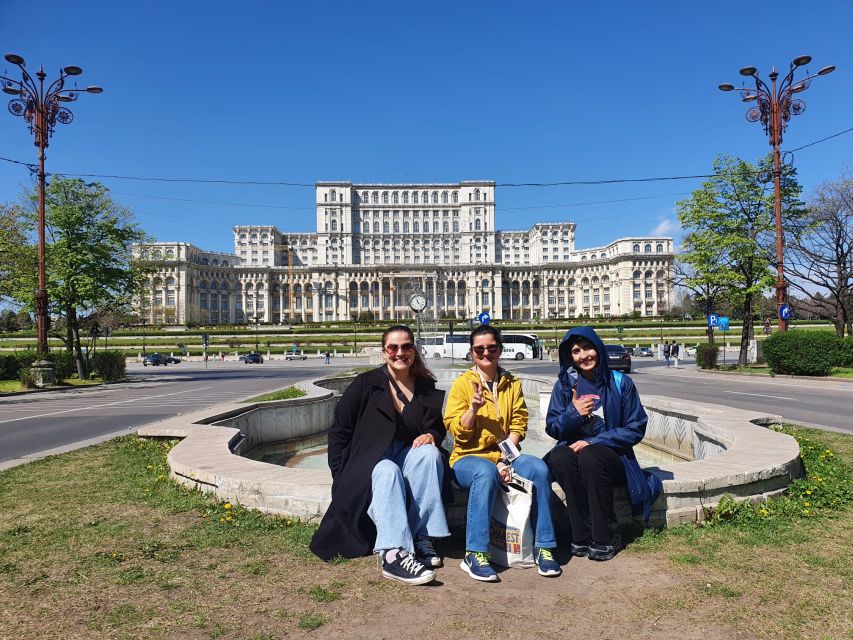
column 171, row 360
column 618, row 357
column 252, row 358
column 155, row 360
column 691, row 352
column 295, row 356
column 630, row 351
column 644, row 352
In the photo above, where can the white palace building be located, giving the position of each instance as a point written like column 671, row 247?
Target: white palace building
column 376, row 244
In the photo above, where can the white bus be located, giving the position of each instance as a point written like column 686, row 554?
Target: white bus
column 519, row 346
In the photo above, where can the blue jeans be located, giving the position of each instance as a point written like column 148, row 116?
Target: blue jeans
column 407, row 496
column 480, row 477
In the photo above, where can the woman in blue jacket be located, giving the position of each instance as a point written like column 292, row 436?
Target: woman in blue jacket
column 596, row 416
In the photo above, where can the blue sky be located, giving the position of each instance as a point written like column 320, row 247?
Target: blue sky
column 413, row 92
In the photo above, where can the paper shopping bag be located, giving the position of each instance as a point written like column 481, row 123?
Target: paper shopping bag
column 510, row 528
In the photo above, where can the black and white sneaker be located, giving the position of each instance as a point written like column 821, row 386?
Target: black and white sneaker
column 425, row 552
column 405, row 567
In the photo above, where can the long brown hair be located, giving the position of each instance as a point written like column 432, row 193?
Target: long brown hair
column 418, row 368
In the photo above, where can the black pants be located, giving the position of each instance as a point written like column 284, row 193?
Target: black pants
column 587, row 478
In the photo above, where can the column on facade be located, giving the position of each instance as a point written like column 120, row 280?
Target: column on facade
column 281, row 286
column 392, row 290
column 435, row 307
column 243, row 297
column 381, row 299
column 316, row 301
column 497, row 302
column 342, row 297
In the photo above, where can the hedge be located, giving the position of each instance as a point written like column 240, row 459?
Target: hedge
column 845, row 352
column 11, row 364
column 804, row 353
column 706, row 356
column 110, row 365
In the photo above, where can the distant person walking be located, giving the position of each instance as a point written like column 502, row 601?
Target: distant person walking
column 675, row 351
column 328, row 357
column 667, row 351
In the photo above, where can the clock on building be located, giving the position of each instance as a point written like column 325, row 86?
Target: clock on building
column 417, row 302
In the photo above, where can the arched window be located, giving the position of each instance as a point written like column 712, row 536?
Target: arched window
column 333, row 195
column 406, row 227
column 416, row 227
column 446, row 227
column 170, row 282
column 455, row 197
column 444, row 197
column 636, row 275
column 636, row 248
column 659, row 248
column 405, row 197
column 375, row 197
column 384, row 197
column 648, row 275
column 603, row 256
column 396, row 227
column 375, row 227
column 435, row 197
column 425, row 197
column 385, row 227
column 585, row 282
column 334, row 226
column 414, row 197
column 395, row 198
column 583, row 257
column 647, row 248
column 477, row 225
column 364, row 198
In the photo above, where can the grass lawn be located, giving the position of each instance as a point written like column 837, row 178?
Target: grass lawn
column 281, row 394
column 764, row 370
column 99, row 543
column 9, row 386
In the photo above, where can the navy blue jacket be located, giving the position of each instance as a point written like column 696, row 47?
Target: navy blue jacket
column 625, row 419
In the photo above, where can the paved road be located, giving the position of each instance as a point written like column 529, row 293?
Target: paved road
column 33, row 424
column 814, row 402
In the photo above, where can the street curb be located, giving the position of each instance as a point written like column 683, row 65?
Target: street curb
column 778, row 375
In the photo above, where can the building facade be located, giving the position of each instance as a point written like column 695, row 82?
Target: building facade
column 376, row 244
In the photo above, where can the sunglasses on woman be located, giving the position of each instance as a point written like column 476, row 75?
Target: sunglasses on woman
column 479, row 350
column 394, row 348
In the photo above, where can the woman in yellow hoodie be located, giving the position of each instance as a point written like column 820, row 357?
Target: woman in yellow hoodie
column 484, row 408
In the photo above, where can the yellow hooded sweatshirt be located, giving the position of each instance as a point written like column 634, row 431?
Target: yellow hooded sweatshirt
column 488, row 430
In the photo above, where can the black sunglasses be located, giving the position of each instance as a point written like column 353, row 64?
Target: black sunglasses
column 492, row 348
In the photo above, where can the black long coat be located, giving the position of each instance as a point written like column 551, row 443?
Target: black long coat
column 363, row 429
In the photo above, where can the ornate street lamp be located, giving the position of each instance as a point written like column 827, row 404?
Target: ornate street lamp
column 775, row 104
column 42, row 108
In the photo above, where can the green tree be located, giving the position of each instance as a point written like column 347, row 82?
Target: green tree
column 88, row 256
column 730, row 224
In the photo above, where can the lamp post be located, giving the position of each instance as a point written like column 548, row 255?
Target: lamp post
column 257, row 337
column 775, row 106
column 41, row 108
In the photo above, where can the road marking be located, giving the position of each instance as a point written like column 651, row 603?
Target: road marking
column 760, row 395
column 98, row 406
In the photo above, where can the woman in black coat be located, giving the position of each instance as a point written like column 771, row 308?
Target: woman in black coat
column 387, row 471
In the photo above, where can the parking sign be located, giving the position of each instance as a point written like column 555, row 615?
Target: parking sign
column 713, row 320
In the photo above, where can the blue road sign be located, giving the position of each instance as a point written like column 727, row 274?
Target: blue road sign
column 484, row 318
column 713, row 320
column 723, row 323
column 785, row 312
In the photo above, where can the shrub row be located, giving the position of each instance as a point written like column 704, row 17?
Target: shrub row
column 110, row 365
column 11, row 364
column 807, row 353
column 706, row 356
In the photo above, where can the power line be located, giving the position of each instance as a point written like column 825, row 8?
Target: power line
column 561, row 183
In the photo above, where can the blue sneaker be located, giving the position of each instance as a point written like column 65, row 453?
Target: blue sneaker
column 476, row 564
column 548, row 567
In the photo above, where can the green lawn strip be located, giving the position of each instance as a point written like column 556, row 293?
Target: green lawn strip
column 778, row 568
column 281, row 394
column 99, row 539
column 764, row 370
column 9, row 386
